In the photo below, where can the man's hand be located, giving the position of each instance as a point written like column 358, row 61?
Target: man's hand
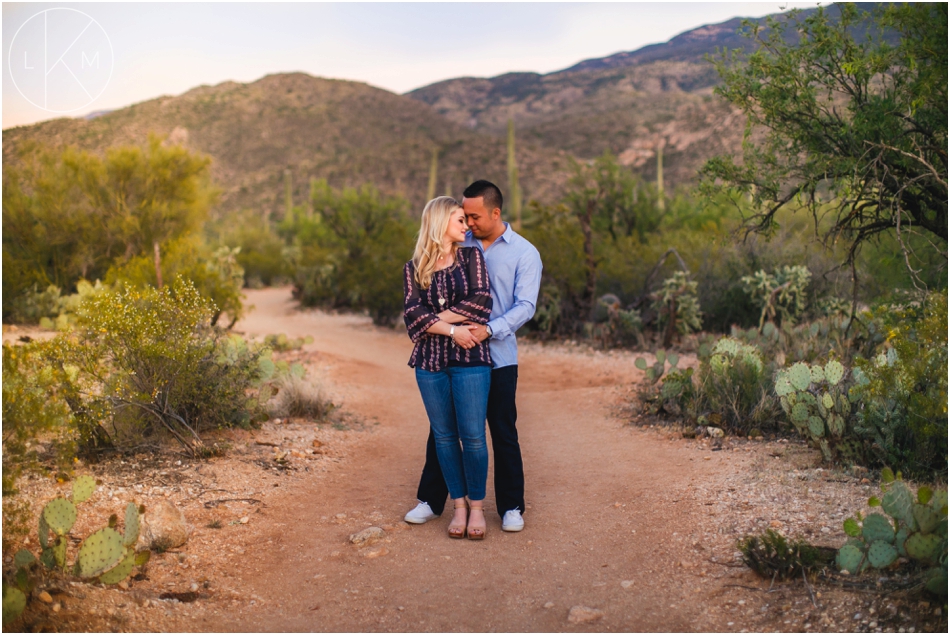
column 480, row 332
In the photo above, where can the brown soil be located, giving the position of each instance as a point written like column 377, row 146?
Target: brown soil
column 636, row 523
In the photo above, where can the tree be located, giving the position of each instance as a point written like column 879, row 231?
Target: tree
column 857, row 118
column 69, row 215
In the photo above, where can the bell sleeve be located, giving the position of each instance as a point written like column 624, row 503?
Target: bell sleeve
column 417, row 315
column 477, row 305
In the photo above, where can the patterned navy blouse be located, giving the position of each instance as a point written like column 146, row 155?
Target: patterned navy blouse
column 465, row 290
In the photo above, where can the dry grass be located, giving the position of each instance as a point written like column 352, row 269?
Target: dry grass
column 299, row 397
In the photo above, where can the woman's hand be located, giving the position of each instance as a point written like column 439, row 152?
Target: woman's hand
column 463, row 336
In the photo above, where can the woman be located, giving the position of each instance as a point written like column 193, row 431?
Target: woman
column 446, row 285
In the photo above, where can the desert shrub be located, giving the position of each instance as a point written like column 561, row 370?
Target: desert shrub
column 352, row 250
column 780, row 295
column 282, row 343
column 903, row 389
column 734, row 385
column 143, row 361
column 262, row 252
column 215, row 274
column 298, row 396
column 773, row 556
column 615, row 326
column 33, row 408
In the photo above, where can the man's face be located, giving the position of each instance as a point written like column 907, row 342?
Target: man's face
column 481, row 221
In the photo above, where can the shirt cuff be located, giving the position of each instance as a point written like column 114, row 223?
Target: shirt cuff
column 499, row 328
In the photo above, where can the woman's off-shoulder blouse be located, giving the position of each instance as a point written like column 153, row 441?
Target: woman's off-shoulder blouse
column 463, row 289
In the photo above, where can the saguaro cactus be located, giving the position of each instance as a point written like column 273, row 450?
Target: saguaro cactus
column 514, row 188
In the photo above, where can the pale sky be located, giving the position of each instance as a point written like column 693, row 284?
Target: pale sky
column 169, row 48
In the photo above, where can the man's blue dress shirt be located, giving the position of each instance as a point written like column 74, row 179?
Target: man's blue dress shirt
column 514, row 271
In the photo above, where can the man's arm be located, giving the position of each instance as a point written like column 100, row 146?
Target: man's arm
column 527, row 286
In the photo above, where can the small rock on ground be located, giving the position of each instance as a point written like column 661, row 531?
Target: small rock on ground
column 581, row 614
column 367, row 537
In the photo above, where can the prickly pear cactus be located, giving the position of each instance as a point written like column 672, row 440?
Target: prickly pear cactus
column 83, row 488
column 655, row 371
column 923, row 547
column 100, row 552
column 132, row 524
column 881, row 554
column 14, row 602
column 122, row 571
column 850, row 559
column 60, row 515
column 816, row 402
column 917, row 529
column 877, row 528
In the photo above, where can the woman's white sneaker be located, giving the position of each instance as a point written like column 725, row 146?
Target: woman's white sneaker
column 420, row 514
column 512, row 520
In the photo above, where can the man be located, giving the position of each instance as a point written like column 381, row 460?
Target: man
column 514, row 271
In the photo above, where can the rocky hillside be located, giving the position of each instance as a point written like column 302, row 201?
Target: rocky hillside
column 346, row 132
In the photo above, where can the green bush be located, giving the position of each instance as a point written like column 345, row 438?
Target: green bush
column 903, row 389
column 144, row 361
column 215, row 274
column 734, row 384
column 70, row 215
column 263, row 254
column 352, row 250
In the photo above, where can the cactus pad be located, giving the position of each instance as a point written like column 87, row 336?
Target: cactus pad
column 59, row 551
column 834, row 372
column 898, row 503
column 23, row 558
column 849, row 559
column 14, row 603
column 852, row 528
column 902, row 534
column 48, row 558
column 640, row 363
column 83, row 487
column 673, row 359
column 661, row 357
column 816, row 426
column 827, row 401
column 800, row 376
column 877, row 527
column 844, row 406
column 122, row 571
column 939, row 501
column 783, row 386
column 43, row 532
column 817, row 374
column 60, row 515
column 923, row 546
column 881, row 554
column 926, row 518
column 785, row 405
column 131, row 524
column 836, row 424
column 799, row 413
column 100, row 552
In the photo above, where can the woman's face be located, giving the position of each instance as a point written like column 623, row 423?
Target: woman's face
column 457, row 227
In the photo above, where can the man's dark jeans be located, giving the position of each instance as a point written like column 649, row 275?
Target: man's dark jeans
column 509, row 469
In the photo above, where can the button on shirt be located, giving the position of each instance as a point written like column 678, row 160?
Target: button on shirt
column 514, row 270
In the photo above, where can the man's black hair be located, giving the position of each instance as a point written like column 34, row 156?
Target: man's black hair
column 491, row 195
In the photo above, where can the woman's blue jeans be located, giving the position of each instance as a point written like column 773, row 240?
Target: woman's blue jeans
column 456, row 400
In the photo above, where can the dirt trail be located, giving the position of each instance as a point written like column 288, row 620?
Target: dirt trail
column 609, row 521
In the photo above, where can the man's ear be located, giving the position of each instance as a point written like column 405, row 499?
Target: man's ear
column 496, row 213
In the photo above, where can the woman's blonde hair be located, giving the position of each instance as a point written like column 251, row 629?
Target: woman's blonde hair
column 435, row 221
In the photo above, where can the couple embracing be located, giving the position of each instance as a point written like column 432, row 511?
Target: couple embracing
column 471, row 284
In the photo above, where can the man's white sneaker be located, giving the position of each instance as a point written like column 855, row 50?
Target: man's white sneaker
column 420, row 514
column 512, row 521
